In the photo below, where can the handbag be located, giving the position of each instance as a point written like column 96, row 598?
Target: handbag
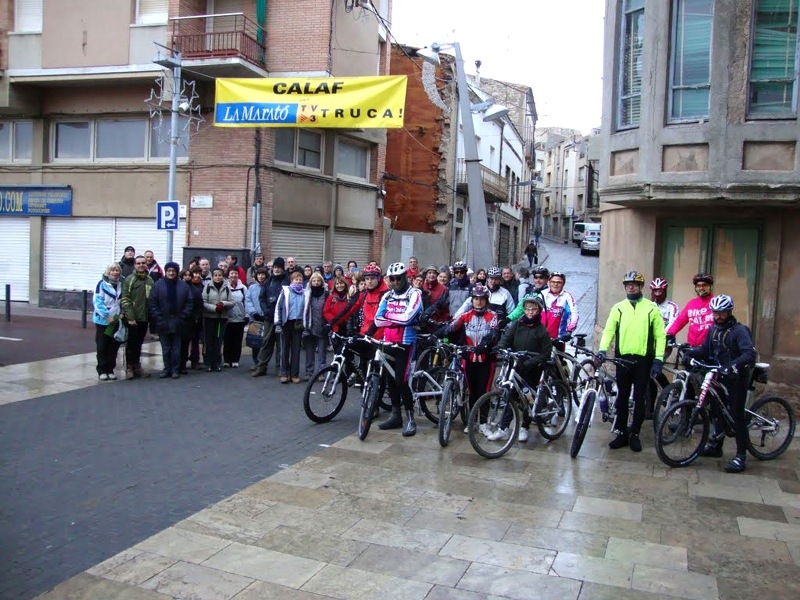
column 253, row 335
column 121, row 334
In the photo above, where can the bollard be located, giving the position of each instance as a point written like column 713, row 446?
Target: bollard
column 85, row 308
column 8, row 303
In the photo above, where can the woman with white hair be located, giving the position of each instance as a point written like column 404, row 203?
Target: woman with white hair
column 107, row 293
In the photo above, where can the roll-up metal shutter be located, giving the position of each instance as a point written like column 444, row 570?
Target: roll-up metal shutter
column 304, row 242
column 77, row 252
column 15, row 257
column 143, row 235
column 352, row 244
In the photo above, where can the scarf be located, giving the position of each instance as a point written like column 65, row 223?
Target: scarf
column 634, row 298
column 317, row 291
column 297, row 288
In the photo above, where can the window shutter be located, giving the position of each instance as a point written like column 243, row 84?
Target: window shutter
column 28, row 15
column 152, row 12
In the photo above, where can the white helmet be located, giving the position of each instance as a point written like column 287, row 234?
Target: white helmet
column 397, row 268
column 721, row 303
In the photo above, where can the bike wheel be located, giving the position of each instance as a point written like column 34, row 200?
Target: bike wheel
column 489, row 412
column 553, row 409
column 448, row 407
column 582, row 375
column 428, row 381
column 770, row 427
column 681, row 434
column 585, row 416
column 369, row 399
column 384, row 401
column 666, row 399
column 325, row 394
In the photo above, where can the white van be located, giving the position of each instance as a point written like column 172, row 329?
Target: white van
column 579, row 231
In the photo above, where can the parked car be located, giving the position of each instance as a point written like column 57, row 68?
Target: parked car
column 591, row 243
column 580, row 230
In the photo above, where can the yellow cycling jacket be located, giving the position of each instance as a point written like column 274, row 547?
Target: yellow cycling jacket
column 638, row 329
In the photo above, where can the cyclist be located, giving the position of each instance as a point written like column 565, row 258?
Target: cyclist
column 561, row 312
column 460, row 287
column 658, row 294
column 480, row 325
column 538, row 287
column 696, row 312
column 529, row 334
column 729, row 344
column 500, row 299
column 398, row 311
column 637, row 325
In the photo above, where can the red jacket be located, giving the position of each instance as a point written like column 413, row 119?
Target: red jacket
column 368, row 303
column 437, row 290
column 336, row 308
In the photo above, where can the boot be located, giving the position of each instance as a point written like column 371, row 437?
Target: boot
column 395, row 421
column 411, row 426
column 712, row 449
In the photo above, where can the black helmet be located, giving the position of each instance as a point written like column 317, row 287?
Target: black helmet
column 480, row 291
column 543, row 271
column 703, row 278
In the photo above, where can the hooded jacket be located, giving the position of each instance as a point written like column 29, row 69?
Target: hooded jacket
column 368, row 303
column 135, row 292
column 106, row 301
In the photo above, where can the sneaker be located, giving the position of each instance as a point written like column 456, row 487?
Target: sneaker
column 129, row 373
column 635, row 443
column 484, row 429
column 499, row 435
column 737, row 465
column 226, row 365
column 112, row 377
column 103, row 377
column 163, row 375
column 295, row 380
column 523, row 434
column 176, row 376
column 234, row 365
column 284, row 379
column 619, row 442
column 712, row 450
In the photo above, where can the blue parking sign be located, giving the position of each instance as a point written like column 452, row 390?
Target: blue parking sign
column 167, row 215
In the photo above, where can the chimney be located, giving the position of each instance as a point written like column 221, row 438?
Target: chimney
column 478, row 73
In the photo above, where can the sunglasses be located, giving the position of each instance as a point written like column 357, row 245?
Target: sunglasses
column 459, row 272
column 539, row 277
column 396, row 278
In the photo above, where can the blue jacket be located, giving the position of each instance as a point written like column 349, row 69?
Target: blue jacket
column 106, row 301
column 729, row 344
column 170, row 321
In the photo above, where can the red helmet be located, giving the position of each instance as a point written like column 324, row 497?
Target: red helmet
column 659, row 283
column 371, row 270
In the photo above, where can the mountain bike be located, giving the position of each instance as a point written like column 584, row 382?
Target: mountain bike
column 378, row 368
column 428, row 378
column 326, row 391
column 498, row 411
column 685, row 428
column 602, row 387
column 454, row 393
column 683, row 383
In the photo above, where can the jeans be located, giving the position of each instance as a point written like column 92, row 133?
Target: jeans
column 171, row 352
column 107, row 349
column 315, row 353
column 133, row 347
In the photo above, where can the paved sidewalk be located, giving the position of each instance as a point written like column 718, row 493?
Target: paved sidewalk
column 403, row 518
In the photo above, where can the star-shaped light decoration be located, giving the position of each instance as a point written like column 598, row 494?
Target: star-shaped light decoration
column 160, row 102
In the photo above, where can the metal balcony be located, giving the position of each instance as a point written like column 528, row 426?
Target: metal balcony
column 495, row 187
column 221, row 45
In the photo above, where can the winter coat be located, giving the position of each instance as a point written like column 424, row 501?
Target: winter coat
column 170, row 321
column 479, row 328
column 135, row 292
column 313, row 319
column 212, row 296
column 337, row 310
column 126, row 267
column 271, row 293
column 729, row 344
column 252, row 306
column 106, row 301
column 237, row 313
column 368, row 303
column 520, row 335
column 459, row 291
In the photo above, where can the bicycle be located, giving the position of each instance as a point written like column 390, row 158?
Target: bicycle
column 573, row 371
column 550, row 407
column 683, row 382
column 599, row 386
column 427, row 380
column 378, row 368
column 685, row 428
column 453, row 393
column 326, row 391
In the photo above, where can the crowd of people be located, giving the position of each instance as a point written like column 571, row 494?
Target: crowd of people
column 202, row 315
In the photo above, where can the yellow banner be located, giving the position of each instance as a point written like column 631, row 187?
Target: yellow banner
column 343, row 102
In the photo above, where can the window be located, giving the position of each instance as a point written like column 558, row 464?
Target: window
column 773, row 59
column 28, row 16
column 581, row 173
column 690, row 68
column 301, row 147
column 352, row 159
column 630, row 67
column 117, row 139
column 152, row 12
column 16, row 138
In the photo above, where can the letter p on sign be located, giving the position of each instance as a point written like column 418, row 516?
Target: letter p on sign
column 167, row 215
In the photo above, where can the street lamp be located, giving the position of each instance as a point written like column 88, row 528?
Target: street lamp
column 476, row 204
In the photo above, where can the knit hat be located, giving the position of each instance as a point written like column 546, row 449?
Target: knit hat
column 172, row 265
column 279, row 262
column 131, row 248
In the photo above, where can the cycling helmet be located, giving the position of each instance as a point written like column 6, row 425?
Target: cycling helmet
column 395, row 269
column 536, row 299
column 659, row 283
column 543, row 271
column 371, row 271
column 721, row 303
column 480, row 291
column 459, row 265
column 559, row 274
column 633, row 277
column 703, row 278
column 493, row 272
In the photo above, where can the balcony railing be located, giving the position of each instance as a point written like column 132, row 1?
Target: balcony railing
column 495, row 187
column 229, row 35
